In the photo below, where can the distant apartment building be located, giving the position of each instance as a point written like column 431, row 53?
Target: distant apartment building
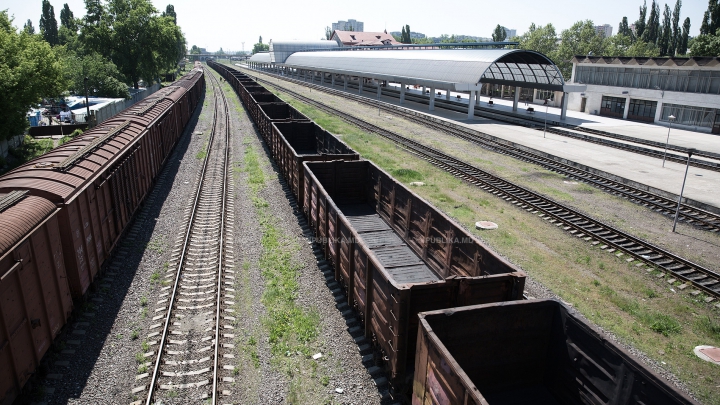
column 349, row 25
column 604, row 30
column 509, row 33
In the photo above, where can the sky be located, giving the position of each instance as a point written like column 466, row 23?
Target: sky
column 213, row 24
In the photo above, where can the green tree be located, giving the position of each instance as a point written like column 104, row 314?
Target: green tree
column 684, row 37
column 406, row 37
column 640, row 23
column 666, row 32
column 652, row 28
column 96, row 29
column 540, row 39
column 67, row 19
column 104, row 79
column 580, row 39
column 48, row 23
column 706, row 45
column 499, row 34
column 28, row 27
column 170, row 12
column 623, row 45
column 624, row 29
column 29, row 71
column 260, row 47
column 131, row 33
column 328, row 33
column 675, row 37
column 195, row 50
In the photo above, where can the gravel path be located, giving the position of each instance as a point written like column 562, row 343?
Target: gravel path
column 265, row 384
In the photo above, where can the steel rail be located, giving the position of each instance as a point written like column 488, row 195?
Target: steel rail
column 516, row 120
column 181, row 260
column 221, row 241
column 703, row 219
column 578, row 224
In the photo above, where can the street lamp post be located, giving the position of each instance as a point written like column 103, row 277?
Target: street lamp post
column 671, row 119
column 87, row 103
column 677, row 211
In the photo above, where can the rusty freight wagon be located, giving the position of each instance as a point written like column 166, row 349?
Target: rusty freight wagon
column 295, row 142
column 100, row 178
column 275, row 112
column 397, row 255
column 35, row 299
column 527, row 352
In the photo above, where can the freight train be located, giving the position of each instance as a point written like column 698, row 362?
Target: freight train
column 406, row 267
column 63, row 213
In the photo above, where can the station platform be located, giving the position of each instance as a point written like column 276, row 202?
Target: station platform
column 653, row 132
column 701, row 188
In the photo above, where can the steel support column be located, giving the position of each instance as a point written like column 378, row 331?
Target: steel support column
column 471, row 106
column 402, row 93
column 360, row 85
column 563, row 107
column 432, row 99
column 516, row 99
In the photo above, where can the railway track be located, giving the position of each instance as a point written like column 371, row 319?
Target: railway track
column 193, row 335
column 576, row 132
column 608, row 238
column 702, row 219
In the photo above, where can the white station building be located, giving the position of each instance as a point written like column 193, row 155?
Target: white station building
column 650, row 90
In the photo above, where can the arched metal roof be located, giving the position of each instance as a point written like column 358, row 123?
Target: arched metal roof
column 459, row 69
column 280, row 50
column 260, row 57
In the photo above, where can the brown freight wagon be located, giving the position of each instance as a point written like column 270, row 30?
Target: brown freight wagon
column 527, row 352
column 276, row 112
column 99, row 179
column 292, row 143
column 397, row 255
column 35, row 299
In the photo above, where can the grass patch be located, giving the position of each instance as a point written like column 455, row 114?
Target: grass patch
column 407, row 175
column 291, row 330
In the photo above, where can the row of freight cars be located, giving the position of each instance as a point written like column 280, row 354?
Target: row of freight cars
column 62, row 214
column 444, row 312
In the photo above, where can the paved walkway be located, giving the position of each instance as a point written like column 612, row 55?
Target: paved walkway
column 653, row 132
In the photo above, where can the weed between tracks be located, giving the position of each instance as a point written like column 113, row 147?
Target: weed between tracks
column 630, row 302
column 291, row 330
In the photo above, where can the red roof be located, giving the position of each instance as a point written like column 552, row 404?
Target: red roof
column 355, row 38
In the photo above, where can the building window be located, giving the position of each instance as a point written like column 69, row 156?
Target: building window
column 642, row 110
column 680, row 80
column 689, row 115
column 612, row 106
column 546, row 95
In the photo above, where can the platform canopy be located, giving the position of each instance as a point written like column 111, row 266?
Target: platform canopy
column 260, row 57
column 455, row 69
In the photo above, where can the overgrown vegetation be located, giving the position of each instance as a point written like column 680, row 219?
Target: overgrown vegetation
column 291, row 329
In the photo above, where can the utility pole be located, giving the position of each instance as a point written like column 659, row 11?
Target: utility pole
column 87, row 103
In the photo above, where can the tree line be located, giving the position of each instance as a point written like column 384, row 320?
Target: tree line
column 117, row 43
